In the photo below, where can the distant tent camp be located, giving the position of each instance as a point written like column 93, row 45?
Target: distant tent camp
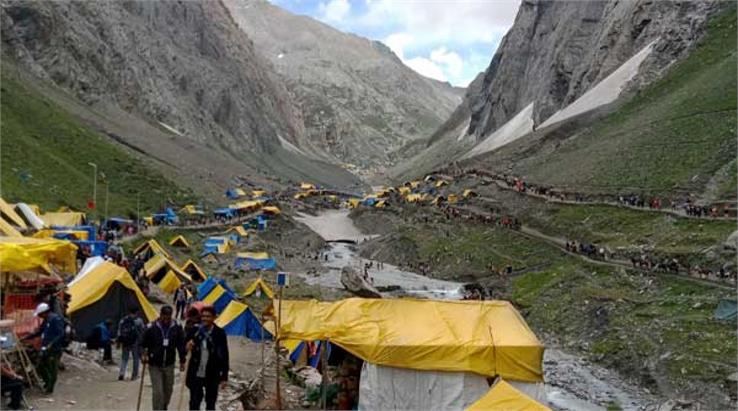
column 255, row 261
column 34, row 254
column 179, row 241
column 149, row 248
column 209, row 257
column 238, row 319
column 260, row 287
column 441, row 183
column 727, row 310
column 234, row 193
column 504, row 397
column 196, row 273
column 307, row 186
column 106, row 292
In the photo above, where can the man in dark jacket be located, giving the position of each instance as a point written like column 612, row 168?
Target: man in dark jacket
column 52, row 344
column 208, row 368
column 161, row 342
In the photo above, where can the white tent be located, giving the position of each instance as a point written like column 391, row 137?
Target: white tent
column 30, row 216
column 90, row 264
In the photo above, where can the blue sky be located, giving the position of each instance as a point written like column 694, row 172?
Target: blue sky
column 443, row 39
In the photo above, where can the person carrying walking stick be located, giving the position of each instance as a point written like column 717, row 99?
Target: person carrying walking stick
column 162, row 341
column 208, row 367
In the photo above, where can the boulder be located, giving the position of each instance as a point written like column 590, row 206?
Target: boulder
column 357, row 285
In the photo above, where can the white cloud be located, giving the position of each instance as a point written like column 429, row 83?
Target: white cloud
column 451, row 60
column 426, row 68
column 397, row 43
column 335, row 11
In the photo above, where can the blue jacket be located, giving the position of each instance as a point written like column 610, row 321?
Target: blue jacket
column 51, row 332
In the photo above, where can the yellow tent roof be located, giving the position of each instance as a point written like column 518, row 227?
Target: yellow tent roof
column 404, row 190
column 254, row 255
column 191, row 265
column 453, row 198
column 414, row 198
column 486, row 337
column 7, row 212
column 49, row 233
column 179, row 241
column 190, row 209
column 380, row 204
column 504, row 397
column 239, row 191
column 354, row 202
column 169, row 283
column 214, row 294
column 158, row 262
column 414, row 184
column 246, row 205
column 441, row 183
column 272, row 210
column 469, row 193
column 64, row 219
column 259, row 282
column 95, row 284
column 231, row 312
column 155, row 247
column 258, row 193
column 7, row 230
column 26, row 254
column 240, row 230
column 307, row 186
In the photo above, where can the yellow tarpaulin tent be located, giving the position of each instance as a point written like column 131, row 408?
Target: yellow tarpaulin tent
column 8, row 230
column 8, row 213
column 230, row 313
column 49, row 233
column 258, row 193
column 307, row 186
column 441, row 183
column 158, row 266
column 27, row 254
column 404, row 191
column 214, row 294
column 154, row 246
column 64, row 219
column 239, row 230
column 272, row 210
column 169, row 283
column 246, row 205
column 254, row 255
column 210, row 258
column 179, row 241
column 453, row 198
column 414, row 184
column 353, row 202
column 194, row 270
column 470, row 193
column 239, row 192
column 95, row 285
column 190, row 209
column 504, row 397
column 415, row 198
column 256, row 284
column 485, row 337
column 380, row 204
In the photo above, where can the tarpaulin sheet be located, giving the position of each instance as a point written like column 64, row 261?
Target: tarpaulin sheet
column 486, row 337
column 152, row 245
column 27, row 254
column 8, row 230
column 30, row 215
column 219, row 298
column 504, row 397
column 7, row 212
column 64, row 219
column 259, row 283
column 169, row 283
column 158, row 266
column 179, row 241
column 95, row 284
column 271, row 210
column 194, row 270
column 238, row 230
column 237, row 319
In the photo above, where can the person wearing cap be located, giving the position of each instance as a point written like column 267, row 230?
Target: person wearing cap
column 52, row 344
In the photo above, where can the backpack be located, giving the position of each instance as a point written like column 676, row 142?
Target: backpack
column 128, row 333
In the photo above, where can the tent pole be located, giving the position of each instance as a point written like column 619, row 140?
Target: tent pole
column 324, row 380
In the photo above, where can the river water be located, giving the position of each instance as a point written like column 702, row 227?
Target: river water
column 572, row 383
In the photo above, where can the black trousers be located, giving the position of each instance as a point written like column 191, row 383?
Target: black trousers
column 15, row 388
column 197, row 386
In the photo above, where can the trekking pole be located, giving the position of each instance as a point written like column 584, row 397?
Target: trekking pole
column 141, row 387
column 182, row 383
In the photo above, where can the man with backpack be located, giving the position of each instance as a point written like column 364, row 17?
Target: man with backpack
column 52, row 344
column 162, row 341
column 130, row 330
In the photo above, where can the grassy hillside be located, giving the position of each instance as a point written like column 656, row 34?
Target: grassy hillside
column 672, row 136
column 45, row 152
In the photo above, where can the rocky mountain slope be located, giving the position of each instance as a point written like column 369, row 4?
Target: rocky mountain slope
column 181, row 70
column 360, row 102
column 560, row 68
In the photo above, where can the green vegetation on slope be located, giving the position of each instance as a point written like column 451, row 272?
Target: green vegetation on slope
column 671, row 137
column 45, row 152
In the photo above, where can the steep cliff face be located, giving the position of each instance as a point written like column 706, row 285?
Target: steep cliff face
column 557, row 50
column 360, row 102
column 181, row 66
